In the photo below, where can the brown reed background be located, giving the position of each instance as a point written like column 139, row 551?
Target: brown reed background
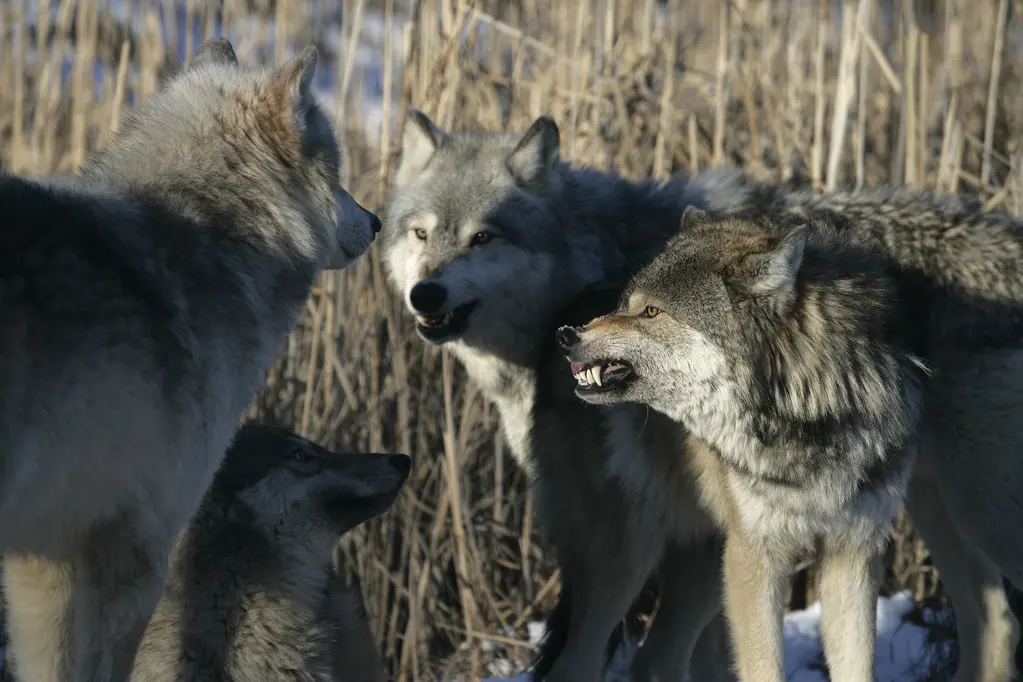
column 834, row 92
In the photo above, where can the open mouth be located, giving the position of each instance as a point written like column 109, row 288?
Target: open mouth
column 446, row 326
column 602, row 376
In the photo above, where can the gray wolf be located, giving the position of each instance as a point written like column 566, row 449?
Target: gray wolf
column 252, row 592
column 798, row 337
column 492, row 241
column 141, row 303
column 790, row 351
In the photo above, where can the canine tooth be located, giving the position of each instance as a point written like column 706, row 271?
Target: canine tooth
column 597, row 376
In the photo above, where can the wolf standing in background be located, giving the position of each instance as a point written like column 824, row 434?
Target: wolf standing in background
column 252, row 594
column 141, row 303
column 796, row 344
column 489, row 240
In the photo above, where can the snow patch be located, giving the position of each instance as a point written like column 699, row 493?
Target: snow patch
column 901, row 646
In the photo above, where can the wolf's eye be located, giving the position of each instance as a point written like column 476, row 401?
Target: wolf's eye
column 480, row 238
column 299, row 455
column 420, row 234
column 650, row 311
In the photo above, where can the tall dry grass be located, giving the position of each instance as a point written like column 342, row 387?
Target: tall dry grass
column 856, row 92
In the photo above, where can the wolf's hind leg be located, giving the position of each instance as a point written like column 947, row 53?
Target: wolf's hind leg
column 683, row 631
column 987, row 630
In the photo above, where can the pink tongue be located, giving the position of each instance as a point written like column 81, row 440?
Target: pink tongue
column 577, row 367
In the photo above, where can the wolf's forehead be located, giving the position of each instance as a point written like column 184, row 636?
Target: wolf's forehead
column 452, row 201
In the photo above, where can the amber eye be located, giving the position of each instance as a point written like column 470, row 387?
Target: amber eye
column 420, row 234
column 650, row 311
column 480, row 238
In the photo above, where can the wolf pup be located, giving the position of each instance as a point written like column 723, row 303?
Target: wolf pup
column 492, row 242
column 252, row 593
column 799, row 345
column 141, row 303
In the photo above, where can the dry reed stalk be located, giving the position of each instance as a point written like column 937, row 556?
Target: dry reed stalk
column 718, row 153
column 855, row 22
column 992, row 94
column 122, row 76
column 664, row 126
column 17, row 77
column 819, row 101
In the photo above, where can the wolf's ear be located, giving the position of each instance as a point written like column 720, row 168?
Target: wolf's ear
column 535, row 158
column 294, row 80
column 419, row 140
column 214, row 51
column 693, row 216
column 775, row 271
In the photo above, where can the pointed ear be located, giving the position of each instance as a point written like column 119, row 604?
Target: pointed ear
column 294, row 80
column 693, row 216
column 419, row 140
column 776, row 270
column 537, row 154
column 214, row 51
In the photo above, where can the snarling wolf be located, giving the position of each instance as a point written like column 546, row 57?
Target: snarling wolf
column 492, row 241
column 141, row 302
column 252, row 593
column 819, row 344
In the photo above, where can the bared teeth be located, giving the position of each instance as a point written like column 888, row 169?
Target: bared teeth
column 593, row 375
column 434, row 320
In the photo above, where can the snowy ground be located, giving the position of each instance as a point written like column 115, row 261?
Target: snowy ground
column 901, row 651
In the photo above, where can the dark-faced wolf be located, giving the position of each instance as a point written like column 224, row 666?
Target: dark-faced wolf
column 252, row 593
column 819, row 345
column 141, row 302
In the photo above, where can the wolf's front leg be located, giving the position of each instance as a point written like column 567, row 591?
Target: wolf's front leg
column 82, row 619
column 849, row 583
column 687, row 632
column 755, row 603
column 38, row 593
column 601, row 597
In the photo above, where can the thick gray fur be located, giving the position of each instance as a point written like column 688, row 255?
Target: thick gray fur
column 252, row 593
column 552, row 231
column 141, row 302
column 798, row 337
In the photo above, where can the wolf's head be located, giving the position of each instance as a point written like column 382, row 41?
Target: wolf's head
column 234, row 141
column 675, row 329
column 735, row 319
column 472, row 228
column 295, row 489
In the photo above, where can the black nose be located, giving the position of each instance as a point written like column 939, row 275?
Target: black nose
column 567, row 337
column 401, row 463
column 374, row 222
column 427, row 297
